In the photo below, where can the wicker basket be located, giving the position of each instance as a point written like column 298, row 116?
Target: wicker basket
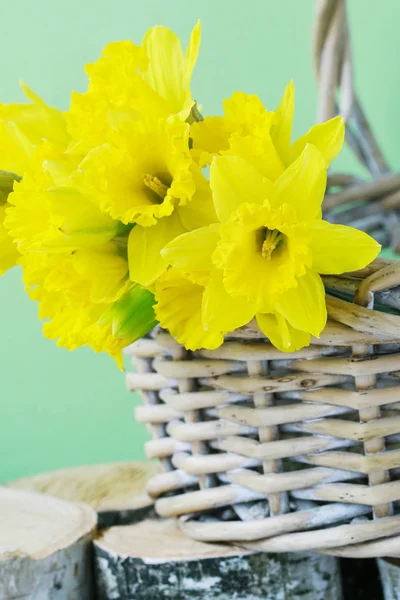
column 289, row 452
column 281, row 451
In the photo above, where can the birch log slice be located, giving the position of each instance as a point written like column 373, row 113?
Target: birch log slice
column 153, row 560
column 117, row 491
column 45, row 547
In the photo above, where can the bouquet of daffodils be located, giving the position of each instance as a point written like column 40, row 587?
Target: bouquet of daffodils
column 131, row 208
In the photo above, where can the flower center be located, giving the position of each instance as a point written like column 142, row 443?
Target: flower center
column 155, row 185
column 271, row 240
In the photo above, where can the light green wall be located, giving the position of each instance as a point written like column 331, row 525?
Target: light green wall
column 59, row 408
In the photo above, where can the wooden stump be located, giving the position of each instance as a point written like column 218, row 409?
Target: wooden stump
column 45, row 547
column 117, row 491
column 389, row 569
column 153, row 560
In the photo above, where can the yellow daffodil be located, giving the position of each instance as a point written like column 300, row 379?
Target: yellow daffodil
column 144, row 174
column 44, row 216
column 262, row 138
column 147, row 177
column 265, row 256
column 86, row 299
column 106, row 204
column 129, row 81
column 74, row 255
column 178, row 309
column 23, row 127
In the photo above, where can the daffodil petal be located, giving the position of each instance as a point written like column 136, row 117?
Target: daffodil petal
column 222, row 311
column 304, row 305
column 328, row 137
column 259, row 152
column 280, row 333
column 144, row 249
column 104, row 268
column 209, row 137
column 303, row 183
column 234, row 181
column 192, row 51
column 178, row 309
column 191, row 252
column 168, row 69
column 199, row 211
column 338, row 249
column 281, row 128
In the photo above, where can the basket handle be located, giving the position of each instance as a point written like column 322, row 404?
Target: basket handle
column 384, row 279
column 334, row 74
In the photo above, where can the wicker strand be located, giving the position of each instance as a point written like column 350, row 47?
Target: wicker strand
column 277, row 503
column 334, row 72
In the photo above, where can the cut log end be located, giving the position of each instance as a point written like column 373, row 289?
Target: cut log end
column 117, row 491
column 44, row 547
column 153, row 559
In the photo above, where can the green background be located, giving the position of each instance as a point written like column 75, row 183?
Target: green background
column 59, row 408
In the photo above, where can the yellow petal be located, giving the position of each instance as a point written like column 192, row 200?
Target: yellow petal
column 234, row 181
column 192, row 51
column 105, row 269
column 328, row 137
column 258, row 151
column 192, row 252
column 168, row 71
column 303, row 184
column 281, row 334
column 144, row 249
column 337, row 249
column 200, row 211
column 222, row 311
column 178, row 309
column 281, row 128
column 304, row 306
column 209, row 138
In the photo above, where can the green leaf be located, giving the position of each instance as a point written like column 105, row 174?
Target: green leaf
column 132, row 316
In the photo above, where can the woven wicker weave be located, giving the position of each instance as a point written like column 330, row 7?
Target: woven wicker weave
column 265, row 448
column 289, row 452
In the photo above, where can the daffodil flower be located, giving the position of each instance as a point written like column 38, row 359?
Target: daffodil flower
column 22, row 128
column 73, row 254
column 148, row 178
column 262, row 137
column 264, row 257
column 129, row 82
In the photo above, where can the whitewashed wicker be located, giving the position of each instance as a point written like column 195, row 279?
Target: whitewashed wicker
column 289, row 452
column 266, row 448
